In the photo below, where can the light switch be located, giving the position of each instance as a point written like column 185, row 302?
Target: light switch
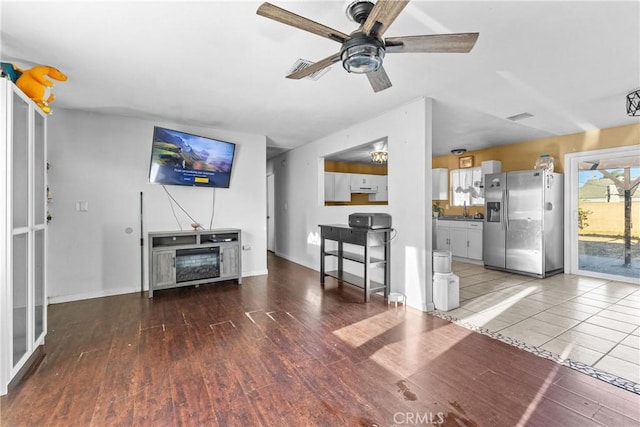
column 82, row 206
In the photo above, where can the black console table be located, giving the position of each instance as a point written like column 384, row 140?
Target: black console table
column 367, row 238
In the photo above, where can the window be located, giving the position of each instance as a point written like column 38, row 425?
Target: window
column 466, row 187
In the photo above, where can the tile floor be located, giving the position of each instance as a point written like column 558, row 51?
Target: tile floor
column 592, row 321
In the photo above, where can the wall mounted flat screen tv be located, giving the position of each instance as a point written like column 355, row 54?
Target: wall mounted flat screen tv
column 179, row 158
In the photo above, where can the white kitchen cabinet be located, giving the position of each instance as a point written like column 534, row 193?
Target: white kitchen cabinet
column 490, row 166
column 337, row 187
column 474, row 241
column 443, row 242
column 458, row 240
column 382, row 195
column 440, row 184
column 462, row 238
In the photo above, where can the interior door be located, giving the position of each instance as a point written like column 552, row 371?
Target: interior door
column 271, row 232
column 524, row 199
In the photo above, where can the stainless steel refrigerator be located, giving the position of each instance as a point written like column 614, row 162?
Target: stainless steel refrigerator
column 523, row 229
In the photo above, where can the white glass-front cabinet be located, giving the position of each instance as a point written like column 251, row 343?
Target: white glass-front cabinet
column 22, row 231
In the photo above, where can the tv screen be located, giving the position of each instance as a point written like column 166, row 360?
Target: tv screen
column 179, row 158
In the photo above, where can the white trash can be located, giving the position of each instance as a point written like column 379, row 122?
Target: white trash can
column 442, row 262
column 446, row 291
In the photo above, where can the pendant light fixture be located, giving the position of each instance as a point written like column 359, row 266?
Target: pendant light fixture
column 379, row 157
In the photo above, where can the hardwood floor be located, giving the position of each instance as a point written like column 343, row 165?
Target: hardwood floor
column 279, row 351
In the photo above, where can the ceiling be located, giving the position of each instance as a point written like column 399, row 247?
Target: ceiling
column 568, row 63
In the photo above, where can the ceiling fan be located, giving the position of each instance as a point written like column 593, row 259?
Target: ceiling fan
column 363, row 50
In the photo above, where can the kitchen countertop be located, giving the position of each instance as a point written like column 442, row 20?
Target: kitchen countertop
column 459, row 218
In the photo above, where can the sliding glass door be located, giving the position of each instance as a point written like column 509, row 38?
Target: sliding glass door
column 604, row 203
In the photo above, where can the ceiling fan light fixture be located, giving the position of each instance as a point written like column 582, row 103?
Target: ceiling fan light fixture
column 379, row 157
column 358, row 10
column 362, row 54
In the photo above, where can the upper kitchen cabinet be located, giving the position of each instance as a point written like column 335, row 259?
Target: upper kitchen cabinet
column 337, row 187
column 489, row 167
column 381, row 183
column 440, row 184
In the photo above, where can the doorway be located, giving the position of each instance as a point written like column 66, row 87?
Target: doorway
column 271, row 234
column 603, row 201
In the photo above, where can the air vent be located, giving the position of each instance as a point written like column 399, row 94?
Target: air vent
column 520, row 116
column 301, row 64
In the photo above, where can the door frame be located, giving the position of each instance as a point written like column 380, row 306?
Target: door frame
column 572, row 161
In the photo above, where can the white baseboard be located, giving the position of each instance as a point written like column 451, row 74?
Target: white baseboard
column 90, row 295
column 419, row 305
column 297, row 261
column 121, row 291
column 255, row 273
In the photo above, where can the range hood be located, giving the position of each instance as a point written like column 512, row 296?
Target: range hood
column 365, row 190
column 361, row 183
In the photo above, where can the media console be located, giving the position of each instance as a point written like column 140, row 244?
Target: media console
column 185, row 258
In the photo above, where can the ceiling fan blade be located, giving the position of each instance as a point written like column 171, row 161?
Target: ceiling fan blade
column 434, row 43
column 315, row 67
column 284, row 16
column 382, row 16
column 379, row 79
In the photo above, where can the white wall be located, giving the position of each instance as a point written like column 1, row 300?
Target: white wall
column 299, row 197
column 104, row 160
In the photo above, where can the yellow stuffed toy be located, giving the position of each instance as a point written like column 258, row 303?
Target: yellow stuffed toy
column 34, row 84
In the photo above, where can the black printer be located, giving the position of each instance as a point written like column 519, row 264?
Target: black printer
column 370, row 220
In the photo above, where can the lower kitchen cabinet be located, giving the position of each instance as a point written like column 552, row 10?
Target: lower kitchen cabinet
column 474, row 242
column 462, row 238
column 459, row 242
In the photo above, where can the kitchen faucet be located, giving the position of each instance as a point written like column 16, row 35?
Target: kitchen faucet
column 464, row 210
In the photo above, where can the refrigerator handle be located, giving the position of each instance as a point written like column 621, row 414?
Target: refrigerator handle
column 505, row 209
